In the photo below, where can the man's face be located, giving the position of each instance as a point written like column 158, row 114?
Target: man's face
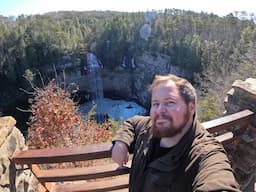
column 169, row 112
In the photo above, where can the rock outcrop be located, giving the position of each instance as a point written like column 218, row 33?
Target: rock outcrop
column 243, row 96
column 11, row 140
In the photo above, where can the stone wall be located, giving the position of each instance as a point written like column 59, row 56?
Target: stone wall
column 243, row 96
column 11, row 140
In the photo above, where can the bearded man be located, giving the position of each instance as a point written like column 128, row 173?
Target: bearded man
column 171, row 150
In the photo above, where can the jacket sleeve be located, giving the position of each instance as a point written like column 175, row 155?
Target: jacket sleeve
column 128, row 131
column 215, row 172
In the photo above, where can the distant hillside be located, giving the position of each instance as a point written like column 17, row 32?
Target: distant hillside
column 215, row 49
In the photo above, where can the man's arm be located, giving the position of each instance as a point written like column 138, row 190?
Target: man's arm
column 124, row 140
column 215, row 173
column 120, row 153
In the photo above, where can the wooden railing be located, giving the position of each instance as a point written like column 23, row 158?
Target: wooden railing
column 106, row 176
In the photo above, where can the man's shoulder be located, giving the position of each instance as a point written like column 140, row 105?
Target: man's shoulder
column 140, row 121
column 205, row 143
column 139, row 118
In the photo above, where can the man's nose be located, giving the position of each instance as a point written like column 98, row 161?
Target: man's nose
column 161, row 108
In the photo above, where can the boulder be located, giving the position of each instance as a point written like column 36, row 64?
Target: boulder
column 11, row 140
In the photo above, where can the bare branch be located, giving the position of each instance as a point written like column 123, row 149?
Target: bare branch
column 24, row 110
column 56, row 74
column 25, row 91
column 64, row 79
column 41, row 78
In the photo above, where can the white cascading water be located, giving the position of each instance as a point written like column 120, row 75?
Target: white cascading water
column 94, row 67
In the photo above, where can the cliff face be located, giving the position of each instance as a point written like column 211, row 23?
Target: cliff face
column 123, row 82
column 129, row 83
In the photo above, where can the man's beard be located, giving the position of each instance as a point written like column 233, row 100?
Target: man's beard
column 171, row 131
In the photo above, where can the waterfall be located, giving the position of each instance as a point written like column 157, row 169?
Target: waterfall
column 93, row 67
column 114, row 109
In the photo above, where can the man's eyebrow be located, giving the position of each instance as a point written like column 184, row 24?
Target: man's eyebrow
column 165, row 99
column 170, row 98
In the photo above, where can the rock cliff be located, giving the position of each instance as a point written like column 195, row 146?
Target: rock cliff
column 128, row 83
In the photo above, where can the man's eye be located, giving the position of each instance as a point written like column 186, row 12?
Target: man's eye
column 155, row 104
column 169, row 103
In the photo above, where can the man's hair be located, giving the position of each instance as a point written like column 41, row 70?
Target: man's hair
column 186, row 90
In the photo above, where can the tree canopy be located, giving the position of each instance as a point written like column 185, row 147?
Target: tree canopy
column 214, row 49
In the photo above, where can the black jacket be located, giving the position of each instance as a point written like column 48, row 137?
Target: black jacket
column 197, row 163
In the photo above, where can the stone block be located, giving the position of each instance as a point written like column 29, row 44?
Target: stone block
column 12, row 140
column 244, row 87
column 6, row 125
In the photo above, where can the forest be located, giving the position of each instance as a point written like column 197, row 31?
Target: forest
column 216, row 50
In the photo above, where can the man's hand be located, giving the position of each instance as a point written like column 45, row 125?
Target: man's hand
column 120, row 153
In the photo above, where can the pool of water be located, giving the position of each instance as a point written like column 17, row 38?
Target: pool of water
column 115, row 109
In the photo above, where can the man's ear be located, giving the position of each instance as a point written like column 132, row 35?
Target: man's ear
column 192, row 107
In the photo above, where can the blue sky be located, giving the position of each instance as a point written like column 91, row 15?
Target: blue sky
column 220, row 7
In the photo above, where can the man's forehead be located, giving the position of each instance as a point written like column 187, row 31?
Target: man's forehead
column 166, row 88
column 168, row 83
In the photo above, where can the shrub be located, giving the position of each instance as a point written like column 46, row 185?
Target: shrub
column 207, row 108
column 55, row 121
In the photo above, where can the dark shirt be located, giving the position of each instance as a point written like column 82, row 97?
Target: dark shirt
column 157, row 150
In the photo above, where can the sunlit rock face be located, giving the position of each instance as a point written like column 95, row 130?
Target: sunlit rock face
column 12, row 140
column 132, row 83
